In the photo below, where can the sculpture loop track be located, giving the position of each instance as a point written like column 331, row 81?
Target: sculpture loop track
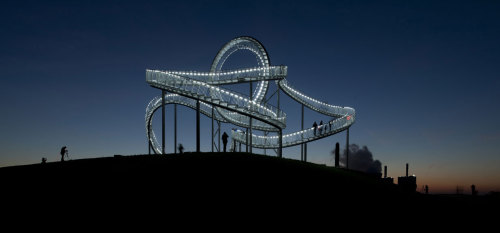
column 187, row 87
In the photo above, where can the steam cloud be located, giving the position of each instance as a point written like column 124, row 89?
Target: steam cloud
column 361, row 159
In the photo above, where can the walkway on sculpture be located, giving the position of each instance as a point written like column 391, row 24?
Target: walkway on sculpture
column 251, row 111
column 189, row 90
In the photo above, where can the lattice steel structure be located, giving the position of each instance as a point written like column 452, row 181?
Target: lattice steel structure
column 204, row 92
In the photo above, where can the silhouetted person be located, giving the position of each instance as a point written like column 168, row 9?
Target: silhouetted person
column 426, row 189
column 473, row 189
column 63, row 152
column 44, row 160
column 224, row 140
column 320, row 126
column 315, row 126
column 181, row 148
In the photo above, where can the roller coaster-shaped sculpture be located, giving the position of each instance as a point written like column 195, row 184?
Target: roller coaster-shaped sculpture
column 203, row 91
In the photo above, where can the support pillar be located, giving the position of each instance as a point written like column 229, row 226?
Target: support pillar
column 246, row 144
column 337, row 154
column 197, row 126
column 265, row 141
column 250, row 134
column 302, row 135
column 278, row 98
column 250, row 137
column 175, row 128
column 305, row 152
column 347, row 150
column 280, row 149
column 163, row 122
column 212, row 142
column 219, row 129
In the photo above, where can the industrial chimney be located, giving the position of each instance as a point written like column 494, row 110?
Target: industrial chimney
column 337, row 155
column 406, row 169
column 385, row 171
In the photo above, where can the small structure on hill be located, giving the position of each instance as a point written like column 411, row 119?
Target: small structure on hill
column 408, row 183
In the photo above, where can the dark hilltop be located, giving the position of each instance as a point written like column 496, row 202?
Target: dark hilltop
column 222, row 180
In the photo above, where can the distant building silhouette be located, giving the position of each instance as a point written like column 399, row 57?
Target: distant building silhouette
column 386, row 179
column 473, row 190
column 337, row 154
column 408, row 183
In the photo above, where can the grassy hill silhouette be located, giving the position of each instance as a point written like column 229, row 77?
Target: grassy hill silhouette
column 216, row 180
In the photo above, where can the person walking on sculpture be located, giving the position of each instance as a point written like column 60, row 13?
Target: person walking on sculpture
column 320, row 126
column 224, row 140
column 315, row 126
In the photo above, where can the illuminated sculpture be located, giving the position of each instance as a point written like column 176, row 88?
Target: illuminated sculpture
column 204, row 92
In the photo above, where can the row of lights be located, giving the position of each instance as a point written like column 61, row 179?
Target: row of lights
column 289, row 135
column 347, row 110
column 269, row 111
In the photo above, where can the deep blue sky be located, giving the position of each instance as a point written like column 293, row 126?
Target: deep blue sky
column 423, row 76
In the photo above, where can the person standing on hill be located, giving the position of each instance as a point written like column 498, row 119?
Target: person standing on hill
column 63, row 152
column 224, row 140
column 181, row 148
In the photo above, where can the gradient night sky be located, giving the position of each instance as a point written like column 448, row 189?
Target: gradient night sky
column 423, row 77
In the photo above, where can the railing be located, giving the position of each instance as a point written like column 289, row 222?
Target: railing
column 238, row 108
column 216, row 95
column 316, row 105
column 296, row 138
column 234, row 76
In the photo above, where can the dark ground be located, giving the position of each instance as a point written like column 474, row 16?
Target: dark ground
column 225, row 184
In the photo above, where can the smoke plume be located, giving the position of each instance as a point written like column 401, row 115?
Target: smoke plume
column 361, row 159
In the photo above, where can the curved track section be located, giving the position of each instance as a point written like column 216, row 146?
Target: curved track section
column 344, row 117
column 238, row 109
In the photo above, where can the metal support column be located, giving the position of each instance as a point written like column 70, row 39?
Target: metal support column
column 347, row 150
column 251, row 119
column 305, row 152
column 265, row 141
column 149, row 147
column 162, row 122
column 212, row 142
column 280, row 149
column 175, row 128
column 302, row 135
column 218, row 129
column 197, row 126
column 278, row 97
